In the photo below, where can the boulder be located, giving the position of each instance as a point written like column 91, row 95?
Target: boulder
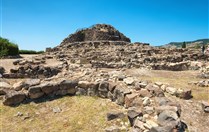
column 84, row 84
column 81, row 91
column 162, row 101
column 175, row 109
column 119, row 94
column 93, row 89
column 129, row 99
column 184, row 93
column 103, row 89
column 35, row 92
column 145, row 93
column 13, row 98
column 67, row 87
column 168, row 117
column 133, row 113
column 49, row 87
column 137, row 102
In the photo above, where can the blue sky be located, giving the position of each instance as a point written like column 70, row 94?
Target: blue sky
column 37, row 24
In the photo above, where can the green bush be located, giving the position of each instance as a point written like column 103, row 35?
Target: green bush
column 30, row 52
column 8, row 48
column 184, row 45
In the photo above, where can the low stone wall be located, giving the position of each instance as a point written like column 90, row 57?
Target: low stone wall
column 32, row 71
column 144, row 99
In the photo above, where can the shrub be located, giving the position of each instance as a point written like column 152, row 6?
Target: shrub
column 184, row 45
column 8, row 48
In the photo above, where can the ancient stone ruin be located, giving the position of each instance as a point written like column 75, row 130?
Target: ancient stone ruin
column 97, row 32
column 82, row 58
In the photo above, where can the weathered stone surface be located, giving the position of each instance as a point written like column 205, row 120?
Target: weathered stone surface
column 205, row 106
column 112, row 129
column 145, row 93
column 13, row 98
column 168, row 116
column 139, row 125
column 103, row 89
column 137, row 102
column 146, row 101
column 162, row 101
column 119, row 94
column 84, row 84
column 19, row 85
column 3, row 91
column 148, row 110
column 129, row 99
column 35, row 92
column 129, row 80
column 175, row 109
column 67, row 87
column 2, row 70
column 171, row 90
column 184, row 93
column 5, row 85
column 150, row 123
column 32, row 82
column 48, row 87
column 114, row 115
column 133, row 113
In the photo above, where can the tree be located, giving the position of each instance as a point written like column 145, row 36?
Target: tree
column 8, row 48
column 184, row 45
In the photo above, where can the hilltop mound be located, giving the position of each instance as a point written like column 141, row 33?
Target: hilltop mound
column 96, row 33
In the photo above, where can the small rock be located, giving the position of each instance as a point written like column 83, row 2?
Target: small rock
column 18, row 114
column 129, row 80
column 140, row 125
column 19, row 85
column 205, row 106
column 150, row 124
column 171, row 90
column 146, row 101
column 57, row 110
column 149, row 110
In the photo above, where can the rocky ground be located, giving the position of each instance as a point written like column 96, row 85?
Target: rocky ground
column 90, row 84
column 196, row 118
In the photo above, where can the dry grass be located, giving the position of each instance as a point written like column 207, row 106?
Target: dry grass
column 79, row 113
column 178, row 79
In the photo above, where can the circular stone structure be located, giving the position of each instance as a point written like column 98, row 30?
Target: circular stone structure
column 96, row 32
